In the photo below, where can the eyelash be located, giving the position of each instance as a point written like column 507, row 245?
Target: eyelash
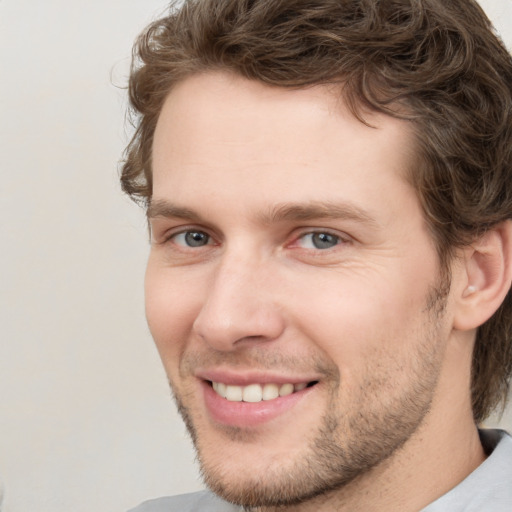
column 329, row 237
column 184, row 233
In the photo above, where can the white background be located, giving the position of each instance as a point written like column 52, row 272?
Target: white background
column 86, row 422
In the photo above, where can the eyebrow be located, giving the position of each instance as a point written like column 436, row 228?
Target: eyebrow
column 310, row 210
column 318, row 210
column 163, row 208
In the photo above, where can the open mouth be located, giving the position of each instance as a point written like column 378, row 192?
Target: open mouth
column 254, row 393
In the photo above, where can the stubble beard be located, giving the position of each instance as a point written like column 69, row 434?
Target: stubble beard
column 347, row 445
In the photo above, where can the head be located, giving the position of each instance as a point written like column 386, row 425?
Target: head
column 437, row 64
column 433, row 67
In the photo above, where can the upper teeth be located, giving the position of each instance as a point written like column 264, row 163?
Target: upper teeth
column 255, row 392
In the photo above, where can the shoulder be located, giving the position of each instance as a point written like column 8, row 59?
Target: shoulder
column 203, row 501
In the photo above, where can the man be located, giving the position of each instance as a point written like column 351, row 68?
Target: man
column 328, row 185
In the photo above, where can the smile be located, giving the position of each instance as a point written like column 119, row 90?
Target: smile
column 254, row 393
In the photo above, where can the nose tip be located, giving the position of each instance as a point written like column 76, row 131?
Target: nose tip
column 237, row 310
column 227, row 331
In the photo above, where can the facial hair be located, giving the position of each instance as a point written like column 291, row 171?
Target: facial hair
column 346, row 444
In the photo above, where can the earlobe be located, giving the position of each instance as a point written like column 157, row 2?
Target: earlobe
column 487, row 271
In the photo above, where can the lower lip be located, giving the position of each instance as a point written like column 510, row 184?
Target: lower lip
column 248, row 414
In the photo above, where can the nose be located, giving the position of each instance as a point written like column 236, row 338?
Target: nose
column 240, row 306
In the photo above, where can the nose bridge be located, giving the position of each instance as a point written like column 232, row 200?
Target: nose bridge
column 240, row 302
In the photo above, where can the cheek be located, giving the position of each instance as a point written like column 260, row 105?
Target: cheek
column 170, row 312
column 354, row 320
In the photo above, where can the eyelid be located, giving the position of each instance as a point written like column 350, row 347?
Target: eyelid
column 166, row 235
column 341, row 236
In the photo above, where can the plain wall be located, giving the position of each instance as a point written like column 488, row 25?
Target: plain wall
column 87, row 422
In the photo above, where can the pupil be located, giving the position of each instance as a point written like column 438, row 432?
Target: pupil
column 324, row 240
column 196, row 238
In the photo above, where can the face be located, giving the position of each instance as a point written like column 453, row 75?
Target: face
column 292, row 286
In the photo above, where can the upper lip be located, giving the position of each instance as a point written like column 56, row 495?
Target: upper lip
column 239, row 378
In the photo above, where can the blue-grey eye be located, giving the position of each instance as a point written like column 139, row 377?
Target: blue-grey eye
column 192, row 239
column 319, row 240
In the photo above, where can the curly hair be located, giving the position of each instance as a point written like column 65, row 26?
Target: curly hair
column 437, row 64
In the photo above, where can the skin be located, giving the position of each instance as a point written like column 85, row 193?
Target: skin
column 256, row 172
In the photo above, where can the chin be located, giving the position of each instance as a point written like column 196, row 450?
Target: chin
column 248, row 473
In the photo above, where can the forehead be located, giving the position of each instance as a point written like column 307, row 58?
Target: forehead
column 217, row 130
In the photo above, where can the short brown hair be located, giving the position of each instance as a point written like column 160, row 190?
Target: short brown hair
column 438, row 60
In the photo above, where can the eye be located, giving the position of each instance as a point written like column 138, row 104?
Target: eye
column 319, row 240
column 192, row 239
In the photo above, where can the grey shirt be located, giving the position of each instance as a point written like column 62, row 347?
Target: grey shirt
column 488, row 488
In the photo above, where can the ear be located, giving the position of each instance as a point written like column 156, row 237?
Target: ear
column 486, row 277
